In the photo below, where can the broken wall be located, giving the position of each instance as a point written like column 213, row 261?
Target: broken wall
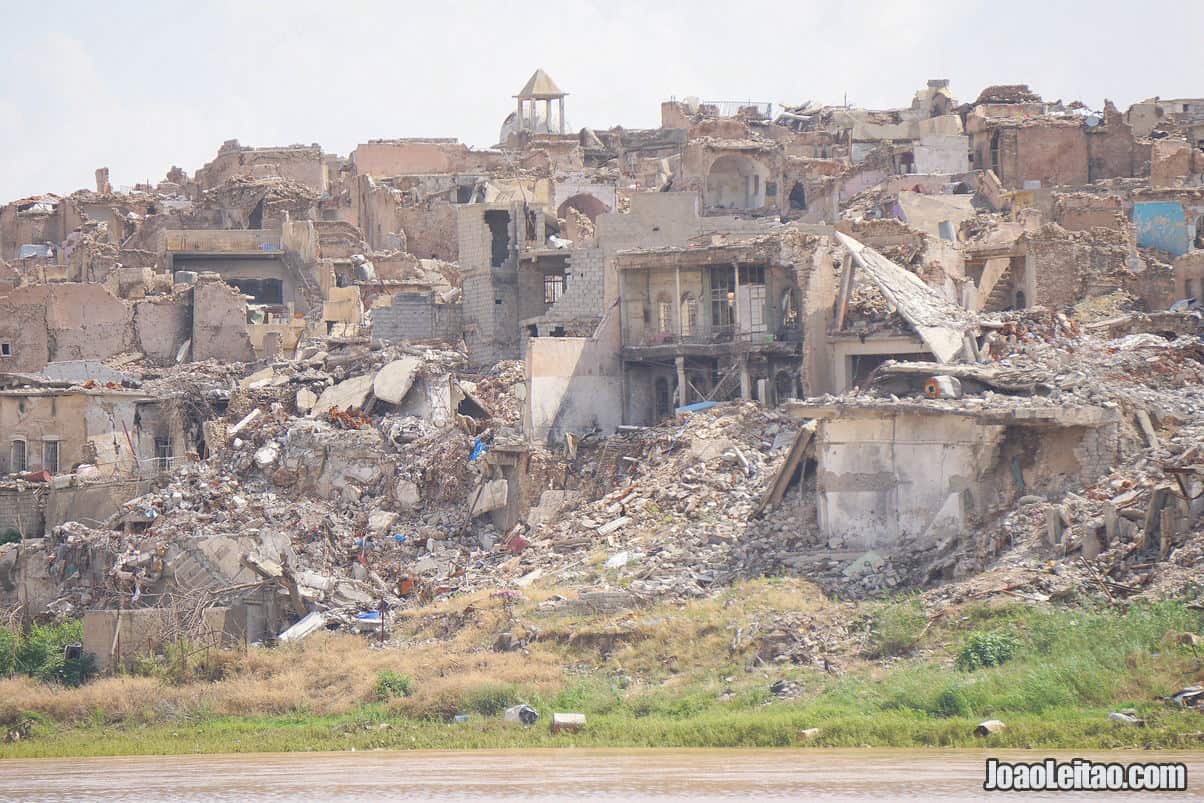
column 574, row 384
column 62, row 321
column 219, row 323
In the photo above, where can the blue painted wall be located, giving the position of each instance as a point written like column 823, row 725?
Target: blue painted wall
column 1162, row 224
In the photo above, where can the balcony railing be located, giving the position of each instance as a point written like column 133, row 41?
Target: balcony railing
column 710, row 335
column 223, row 240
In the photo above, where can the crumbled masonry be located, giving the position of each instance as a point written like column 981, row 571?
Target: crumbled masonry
column 953, row 348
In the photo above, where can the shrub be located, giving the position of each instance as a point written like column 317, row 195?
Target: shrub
column 490, row 700
column 986, row 648
column 895, row 628
column 42, row 654
column 390, row 684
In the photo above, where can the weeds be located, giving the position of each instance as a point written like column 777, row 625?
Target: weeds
column 986, row 648
column 895, row 628
column 390, row 684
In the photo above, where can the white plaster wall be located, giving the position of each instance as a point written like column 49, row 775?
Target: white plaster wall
column 901, row 481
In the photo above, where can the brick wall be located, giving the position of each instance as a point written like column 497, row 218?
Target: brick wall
column 416, row 316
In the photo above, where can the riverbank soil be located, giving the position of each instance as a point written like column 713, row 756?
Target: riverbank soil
column 771, row 662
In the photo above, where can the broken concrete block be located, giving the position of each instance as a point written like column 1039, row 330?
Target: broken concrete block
column 306, row 399
column 267, row 455
column 379, row 521
column 488, row 496
column 260, row 379
column 522, row 713
column 244, row 423
column 1124, row 718
column 610, row 527
column 353, row 392
column 303, row 628
column 567, row 723
column 407, row 494
column 989, row 728
column 394, row 381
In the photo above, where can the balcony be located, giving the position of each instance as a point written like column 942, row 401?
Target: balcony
column 223, row 241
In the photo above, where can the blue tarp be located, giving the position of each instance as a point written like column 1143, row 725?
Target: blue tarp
column 478, row 448
column 696, row 407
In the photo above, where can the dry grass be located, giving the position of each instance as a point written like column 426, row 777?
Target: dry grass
column 327, row 674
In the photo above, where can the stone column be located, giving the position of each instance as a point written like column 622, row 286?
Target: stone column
column 681, row 381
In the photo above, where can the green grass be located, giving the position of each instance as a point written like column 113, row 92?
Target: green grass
column 1067, row 669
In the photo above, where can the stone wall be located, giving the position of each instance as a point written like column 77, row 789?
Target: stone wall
column 430, row 230
column 219, row 330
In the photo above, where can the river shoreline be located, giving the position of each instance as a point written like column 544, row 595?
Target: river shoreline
column 731, row 671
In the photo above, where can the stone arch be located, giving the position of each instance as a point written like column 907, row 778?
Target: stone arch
column 584, row 203
column 798, row 196
column 736, row 181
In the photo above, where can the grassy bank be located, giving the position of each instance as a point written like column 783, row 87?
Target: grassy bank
column 672, row 676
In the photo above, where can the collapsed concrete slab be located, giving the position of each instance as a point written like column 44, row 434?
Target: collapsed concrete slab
column 394, row 381
column 940, row 323
column 345, row 395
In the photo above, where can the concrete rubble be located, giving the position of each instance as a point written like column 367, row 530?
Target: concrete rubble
column 878, row 349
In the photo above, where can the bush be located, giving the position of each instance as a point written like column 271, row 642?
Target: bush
column 9, row 537
column 986, row 648
column 390, row 684
column 490, row 700
column 895, row 629
column 42, row 654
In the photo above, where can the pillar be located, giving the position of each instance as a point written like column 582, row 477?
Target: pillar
column 547, row 114
column 677, row 305
column 745, row 380
column 736, row 300
column 563, row 130
column 681, row 381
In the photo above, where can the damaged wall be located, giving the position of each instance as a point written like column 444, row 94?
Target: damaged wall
column 219, row 323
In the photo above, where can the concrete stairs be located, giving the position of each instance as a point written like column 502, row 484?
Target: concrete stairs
column 192, row 571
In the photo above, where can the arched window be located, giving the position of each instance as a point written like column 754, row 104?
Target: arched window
column 790, row 308
column 736, row 182
column 664, row 315
column 689, row 314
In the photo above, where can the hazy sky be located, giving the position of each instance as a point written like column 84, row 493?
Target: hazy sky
column 141, row 86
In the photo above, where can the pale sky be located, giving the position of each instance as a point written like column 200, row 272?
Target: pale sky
column 141, row 86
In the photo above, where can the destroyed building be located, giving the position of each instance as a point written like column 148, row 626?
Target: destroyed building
column 878, row 348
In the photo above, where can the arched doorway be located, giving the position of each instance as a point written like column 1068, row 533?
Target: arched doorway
column 736, row 182
column 798, row 196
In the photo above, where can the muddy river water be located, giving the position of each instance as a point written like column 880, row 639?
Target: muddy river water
column 539, row 775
